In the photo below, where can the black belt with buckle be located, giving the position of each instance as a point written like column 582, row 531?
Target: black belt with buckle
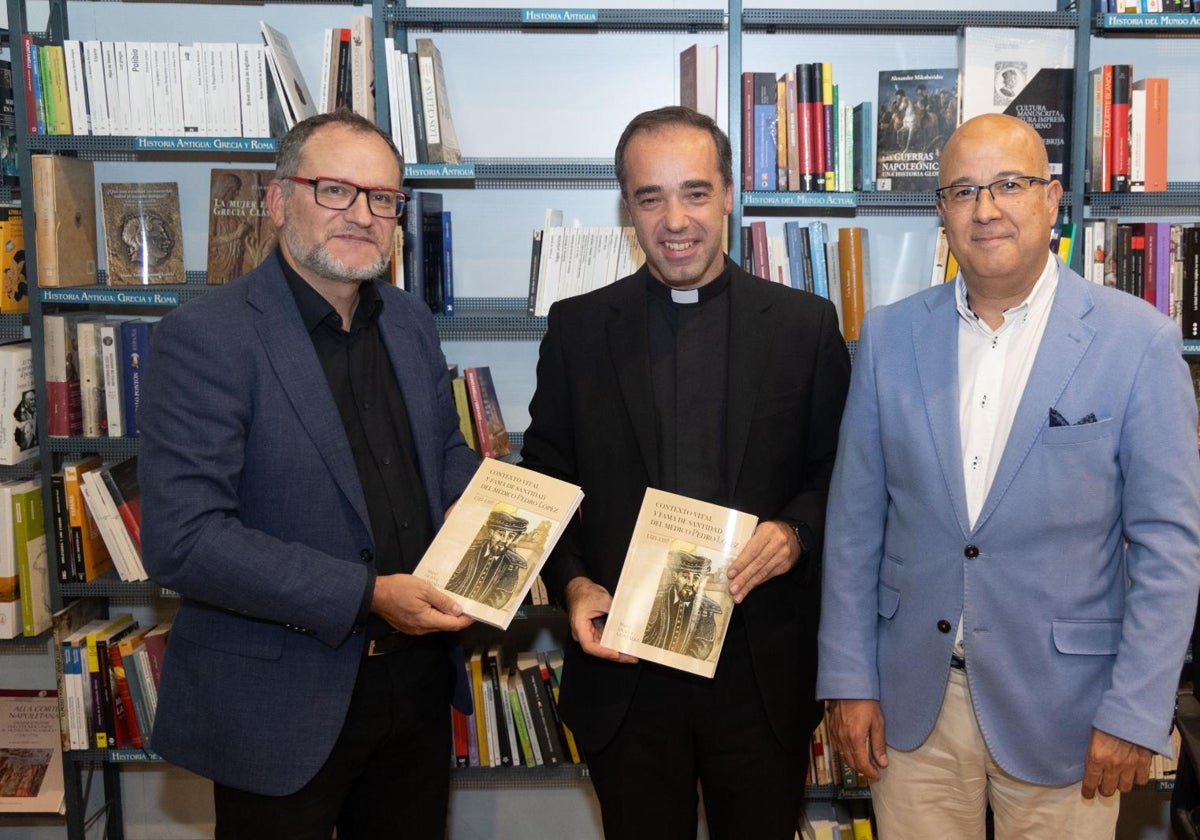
column 958, row 662
column 390, row 643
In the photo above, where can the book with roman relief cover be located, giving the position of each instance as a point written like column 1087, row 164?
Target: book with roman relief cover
column 240, row 231
column 496, row 540
column 31, row 768
column 672, row 605
column 143, row 234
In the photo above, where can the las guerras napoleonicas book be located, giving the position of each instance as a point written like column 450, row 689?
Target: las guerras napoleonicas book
column 918, row 111
column 496, row 540
column 672, row 605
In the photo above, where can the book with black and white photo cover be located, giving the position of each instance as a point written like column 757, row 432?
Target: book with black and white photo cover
column 918, row 111
column 143, row 234
column 1026, row 73
column 31, row 768
column 18, row 405
column 294, row 97
column 672, row 605
column 240, row 230
column 496, row 540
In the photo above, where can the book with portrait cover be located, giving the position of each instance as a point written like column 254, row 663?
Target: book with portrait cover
column 31, row 769
column 143, row 235
column 496, row 540
column 917, row 113
column 240, row 230
column 672, row 605
column 1025, row 73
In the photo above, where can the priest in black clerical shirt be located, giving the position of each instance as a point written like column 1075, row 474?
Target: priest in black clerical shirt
column 691, row 376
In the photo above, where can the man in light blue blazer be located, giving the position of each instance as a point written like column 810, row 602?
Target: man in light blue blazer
column 299, row 448
column 1012, row 549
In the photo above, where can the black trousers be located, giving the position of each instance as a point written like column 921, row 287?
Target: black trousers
column 389, row 772
column 684, row 731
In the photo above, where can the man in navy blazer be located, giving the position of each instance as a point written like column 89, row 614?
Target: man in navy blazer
column 299, row 448
column 1013, row 541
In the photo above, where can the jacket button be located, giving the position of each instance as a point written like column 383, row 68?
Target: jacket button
column 971, row 552
column 943, row 625
column 366, row 555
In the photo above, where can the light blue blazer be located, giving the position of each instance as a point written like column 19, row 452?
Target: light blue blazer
column 1078, row 583
column 253, row 512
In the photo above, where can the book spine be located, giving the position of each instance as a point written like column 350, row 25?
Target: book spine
column 820, row 149
column 135, row 341
column 28, row 49
column 63, row 556
column 1119, row 138
column 475, row 395
column 128, row 734
column 764, row 132
column 110, row 374
column 447, row 265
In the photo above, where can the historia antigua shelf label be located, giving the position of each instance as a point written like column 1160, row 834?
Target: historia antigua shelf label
column 439, row 170
column 131, row 297
column 560, row 16
column 205, row 144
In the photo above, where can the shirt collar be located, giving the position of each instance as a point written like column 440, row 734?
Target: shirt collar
column 705, row 293
column 1043, row 289
column 315, row 310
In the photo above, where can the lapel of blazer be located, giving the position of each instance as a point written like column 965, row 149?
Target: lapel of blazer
column 935, row 346
column 1063, row 344
column 629, row 346
column 292, row 357
column 751, row 331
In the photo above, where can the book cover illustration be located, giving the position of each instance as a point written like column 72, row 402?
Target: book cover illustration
column 143, row 234
column 918, row 111
column 1025, row 73
column 672, row 605
column 497, row 538
column 31, row 771
column 240, row 230
column 18, row 405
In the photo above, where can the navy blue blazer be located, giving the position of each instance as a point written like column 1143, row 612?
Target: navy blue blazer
column 254, row 514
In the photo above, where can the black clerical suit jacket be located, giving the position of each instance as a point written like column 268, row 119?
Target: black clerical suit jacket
column 592, row 423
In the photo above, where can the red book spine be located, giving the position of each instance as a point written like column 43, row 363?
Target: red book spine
column 806, row 130
column 128, row 733
column 1121, row 91
column 27, row 46
column 818, row 127
column 479, row 413
column 748, row 131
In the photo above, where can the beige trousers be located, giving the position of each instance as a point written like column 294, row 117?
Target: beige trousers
column 943, row 787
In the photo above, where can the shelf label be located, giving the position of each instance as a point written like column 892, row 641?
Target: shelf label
column 561, row 16
column 124, row 754
column 1151, row 21
column 205, row 144
column 128, row 297
column 798, row 199
column 439, row 170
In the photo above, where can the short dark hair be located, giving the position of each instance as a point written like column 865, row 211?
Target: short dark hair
column 676, row 115
column 291, row 147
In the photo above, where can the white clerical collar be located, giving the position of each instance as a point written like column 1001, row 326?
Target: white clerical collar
column 685, row 295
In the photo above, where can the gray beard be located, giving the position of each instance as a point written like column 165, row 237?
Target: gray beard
column 318, row 259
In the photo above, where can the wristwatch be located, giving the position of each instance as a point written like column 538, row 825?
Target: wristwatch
column 799, row 532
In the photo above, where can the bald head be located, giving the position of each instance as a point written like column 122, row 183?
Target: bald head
column 995, row 132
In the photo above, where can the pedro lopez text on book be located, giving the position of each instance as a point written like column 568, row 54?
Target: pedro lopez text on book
column 672, row 605
column 497, row 539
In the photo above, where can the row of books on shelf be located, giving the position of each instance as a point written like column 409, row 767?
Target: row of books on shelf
column 418, row 106
column 515, row 721
column 568, row 261
column 1127, row 131
column 1139, row 7
column 96, row 519
column 142, row 227
column 143, row 88
column 810, row 257
column 479, row 416
column 799, row 134
column 423, row 252
column 107, row 670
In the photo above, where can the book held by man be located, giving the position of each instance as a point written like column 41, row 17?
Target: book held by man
column 672, row 605
column 497, row 538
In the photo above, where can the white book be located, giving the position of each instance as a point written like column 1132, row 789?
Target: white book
column 18, row 414
column 292, row 87
column 393, row 83
column 175, row 85
column 93, row 71
column 259, row 82
column 76, row 86
column 547, row 279
column 362, row 66
column 10, row 605
column 1137, row 139
column 329, row 45
column 191, row 90
column 209, row 74
column 112, row 528
column 141, row 87
column 227, row 76
column 91, row 387
column 245, row 78
column 160, row 90
column 429, row 104
column 118, row 87
column 408, row 128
